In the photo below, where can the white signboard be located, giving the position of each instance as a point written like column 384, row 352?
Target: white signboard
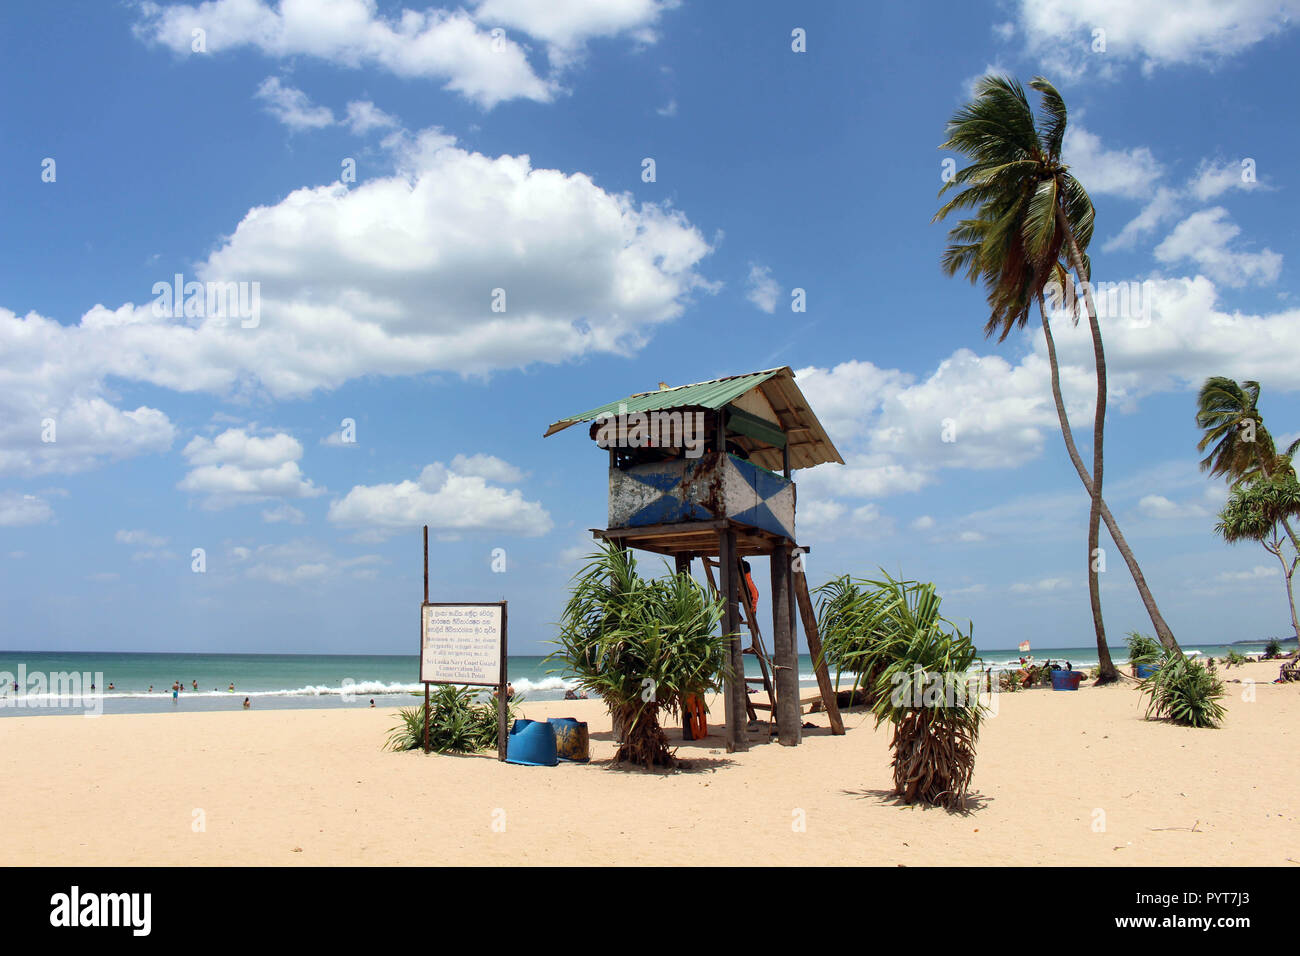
column 460, row 643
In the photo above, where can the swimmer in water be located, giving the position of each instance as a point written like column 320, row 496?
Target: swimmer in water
column 247, row 703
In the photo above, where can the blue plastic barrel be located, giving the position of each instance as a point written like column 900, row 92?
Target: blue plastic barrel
column 1066, row 680
column 1146, row 670
column 532, row 744
column 572, row 742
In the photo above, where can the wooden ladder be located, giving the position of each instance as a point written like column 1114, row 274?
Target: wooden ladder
column 766, row 666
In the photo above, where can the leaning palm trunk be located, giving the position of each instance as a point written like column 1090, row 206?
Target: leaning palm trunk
column 1108, row 673
column 1163, row 631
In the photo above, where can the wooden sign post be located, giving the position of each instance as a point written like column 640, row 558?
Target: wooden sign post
column 463, row 644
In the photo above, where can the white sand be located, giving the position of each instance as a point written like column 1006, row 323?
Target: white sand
column 314, row 787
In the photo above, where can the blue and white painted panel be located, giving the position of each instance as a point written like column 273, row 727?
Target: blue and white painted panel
column 699, row 489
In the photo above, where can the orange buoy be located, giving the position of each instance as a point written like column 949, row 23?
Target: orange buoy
column 694, row 719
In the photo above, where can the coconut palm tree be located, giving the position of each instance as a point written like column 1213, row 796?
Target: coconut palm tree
column 642, row 645
column 1031, row 216
column 1240, row 446
column 1254, row 512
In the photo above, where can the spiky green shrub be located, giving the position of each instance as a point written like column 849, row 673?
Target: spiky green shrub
column 1184, row 691
column 916, row 666
column 643, row 645
column 1234, row 659
column 847, row 620
column 934, row 733
column 459, row 722
column 1273, row 649
column 1143, row 649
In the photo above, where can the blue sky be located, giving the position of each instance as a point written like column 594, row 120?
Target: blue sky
column 514, row 160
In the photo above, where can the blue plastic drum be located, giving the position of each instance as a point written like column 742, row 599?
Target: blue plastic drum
column 572, row 742
column 532, row 744
column 1066, row 680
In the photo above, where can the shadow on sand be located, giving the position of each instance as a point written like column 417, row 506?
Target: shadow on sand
column 974, row 801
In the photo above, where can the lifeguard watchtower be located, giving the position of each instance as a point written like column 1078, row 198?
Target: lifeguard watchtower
column 704, row 470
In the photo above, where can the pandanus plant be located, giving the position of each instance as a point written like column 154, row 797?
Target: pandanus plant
column 642, row 645
column 845, row 620
column 915, row 665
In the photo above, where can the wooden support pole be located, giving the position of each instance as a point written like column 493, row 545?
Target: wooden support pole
column 503, row 687
column 789, row 715
column 683, row 562
column 815, row 650
column 794, row 620
column 734, row 691
column 426, row 601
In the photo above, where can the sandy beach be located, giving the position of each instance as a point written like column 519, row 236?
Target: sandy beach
column 314, row 787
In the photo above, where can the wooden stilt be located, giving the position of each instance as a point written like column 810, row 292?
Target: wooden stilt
column 683, row 566
column 815, row 649
column 789, row 722
column 734, row 691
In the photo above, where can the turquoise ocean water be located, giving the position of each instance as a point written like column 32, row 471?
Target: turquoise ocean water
column 293, row 680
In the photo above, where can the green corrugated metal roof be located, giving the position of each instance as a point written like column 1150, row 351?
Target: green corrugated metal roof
column 807, row 443
column 712, row 394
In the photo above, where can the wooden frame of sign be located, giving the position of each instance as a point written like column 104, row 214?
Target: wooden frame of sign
column 464, row 643
column 471, row 649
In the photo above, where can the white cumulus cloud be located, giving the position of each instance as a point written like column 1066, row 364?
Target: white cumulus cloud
column 236, row 468
column 1203, row 238
column 1195, row 32
column 444, row 498
column 291, row 106
column 397, row 276
column 762, row 289
column 17, row 509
